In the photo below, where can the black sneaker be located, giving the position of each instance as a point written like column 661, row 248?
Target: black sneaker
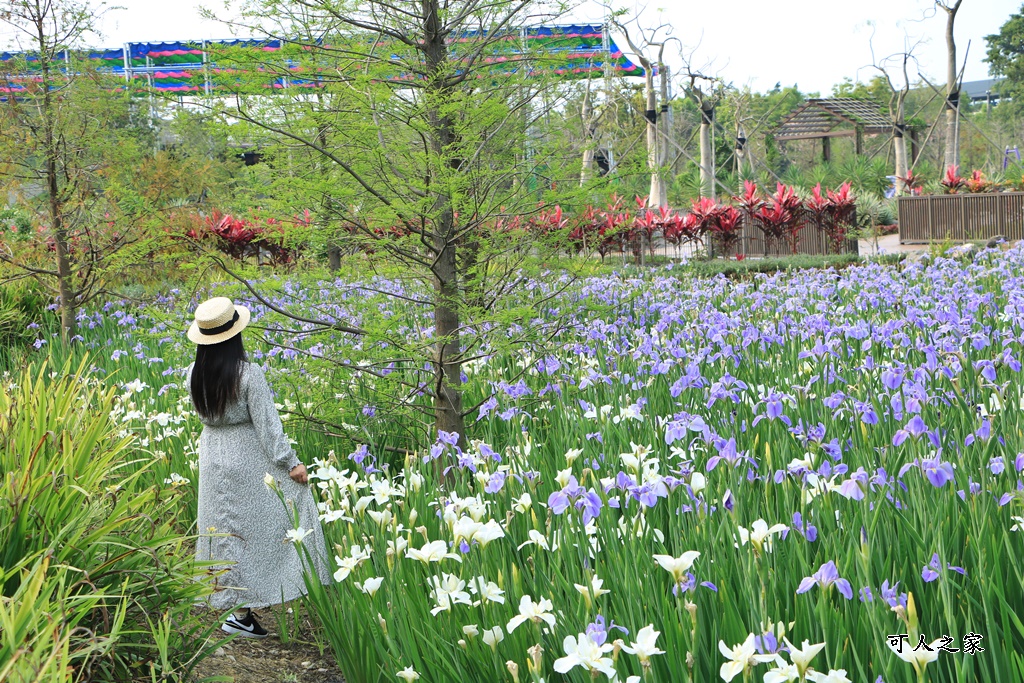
column 247, row 628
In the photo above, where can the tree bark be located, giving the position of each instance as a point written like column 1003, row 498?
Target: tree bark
column 707, row 153
column 448, row 383
column 65, row 288
column 899, row 147
column 665, row 126
column 952, row 153
column 587, row 172
column 899, row 144
column 653, row 144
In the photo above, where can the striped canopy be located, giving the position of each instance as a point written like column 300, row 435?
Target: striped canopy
column 570, row 51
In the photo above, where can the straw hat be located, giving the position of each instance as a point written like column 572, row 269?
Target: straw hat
column 217, row 320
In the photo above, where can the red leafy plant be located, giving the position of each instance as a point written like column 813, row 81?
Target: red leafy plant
column 721, row 222
column 978, row 183
column 911, row 183
column 243, row 237
column 832, row 213
column 952, row 181
column 599, row 228
column 780, row 219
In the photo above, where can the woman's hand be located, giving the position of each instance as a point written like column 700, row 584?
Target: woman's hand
column 298, row 474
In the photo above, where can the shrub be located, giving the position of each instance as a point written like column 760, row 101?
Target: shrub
column 114, row 583
column 22, row 303
column 747, row 267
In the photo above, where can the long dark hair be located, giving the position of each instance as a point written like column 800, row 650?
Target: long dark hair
column 217, row 376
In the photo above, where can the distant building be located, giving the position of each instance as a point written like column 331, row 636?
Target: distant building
column 981, row 91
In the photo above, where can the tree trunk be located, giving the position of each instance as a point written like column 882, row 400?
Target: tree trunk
column 653, row 145
column 952, row 156
column 447, row 387
column 665, row 128
column 68, row 309
column 333, row 257
column 899, row 146
column 707, row 154
column 587, row 172
column 65, row 285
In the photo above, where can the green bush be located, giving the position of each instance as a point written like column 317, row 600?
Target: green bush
column 746, row 267
column 15, row 224
column 114, row 583
column 22, row 303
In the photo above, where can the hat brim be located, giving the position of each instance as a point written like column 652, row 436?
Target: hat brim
column 196, row 336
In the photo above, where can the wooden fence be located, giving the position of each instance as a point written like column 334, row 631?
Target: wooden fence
column 961, row 217
column 812, row 241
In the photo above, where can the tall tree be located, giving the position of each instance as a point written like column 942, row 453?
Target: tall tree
column 1005, row 58
column 657, row 120
column 952, row 154
column 706, row 92
column 76, row 151
column 898, row 89
column 46, row 30
column 430, row 152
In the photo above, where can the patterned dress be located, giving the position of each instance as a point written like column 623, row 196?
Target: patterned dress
column 240, row 520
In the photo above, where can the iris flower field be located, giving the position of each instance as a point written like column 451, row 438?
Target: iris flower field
column 808, row 476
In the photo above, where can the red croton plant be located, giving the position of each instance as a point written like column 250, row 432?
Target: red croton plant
column 243, row 237
column 832, row 212
column 780, row 219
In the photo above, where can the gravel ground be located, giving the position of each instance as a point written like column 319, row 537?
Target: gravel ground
column 288, row 655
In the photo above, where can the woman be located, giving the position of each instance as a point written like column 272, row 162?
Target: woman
column 241, row 522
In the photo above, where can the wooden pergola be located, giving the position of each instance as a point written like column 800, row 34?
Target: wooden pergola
column 837, row 117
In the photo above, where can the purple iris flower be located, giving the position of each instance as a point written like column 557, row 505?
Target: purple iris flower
column 572, row 492
column 892, row 378
column 930, row 572
column 835, row 400
column 854, row 488
column 495, row 483
column 988, row 370
column 599, row 628
column 867, row 412
column 558, row 502
column 487, row 407
column 488, row 452
column 774, row 405
column 827, row 576
column 727, row 451
column 591, row 505
column 674, row 431
column 937, row 472
column 891, row 595
column 984, row 432
column 689, row 584
column 808, row 531
column 359, row 454
column 914, row 428
column 768, row 644
column 450, row 438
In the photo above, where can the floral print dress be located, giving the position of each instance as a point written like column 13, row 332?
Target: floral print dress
column 241, row 522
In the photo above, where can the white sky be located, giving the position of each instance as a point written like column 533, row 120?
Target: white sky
column 809, row 43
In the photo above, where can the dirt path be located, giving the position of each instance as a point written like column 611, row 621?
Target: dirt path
column 292, row 653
